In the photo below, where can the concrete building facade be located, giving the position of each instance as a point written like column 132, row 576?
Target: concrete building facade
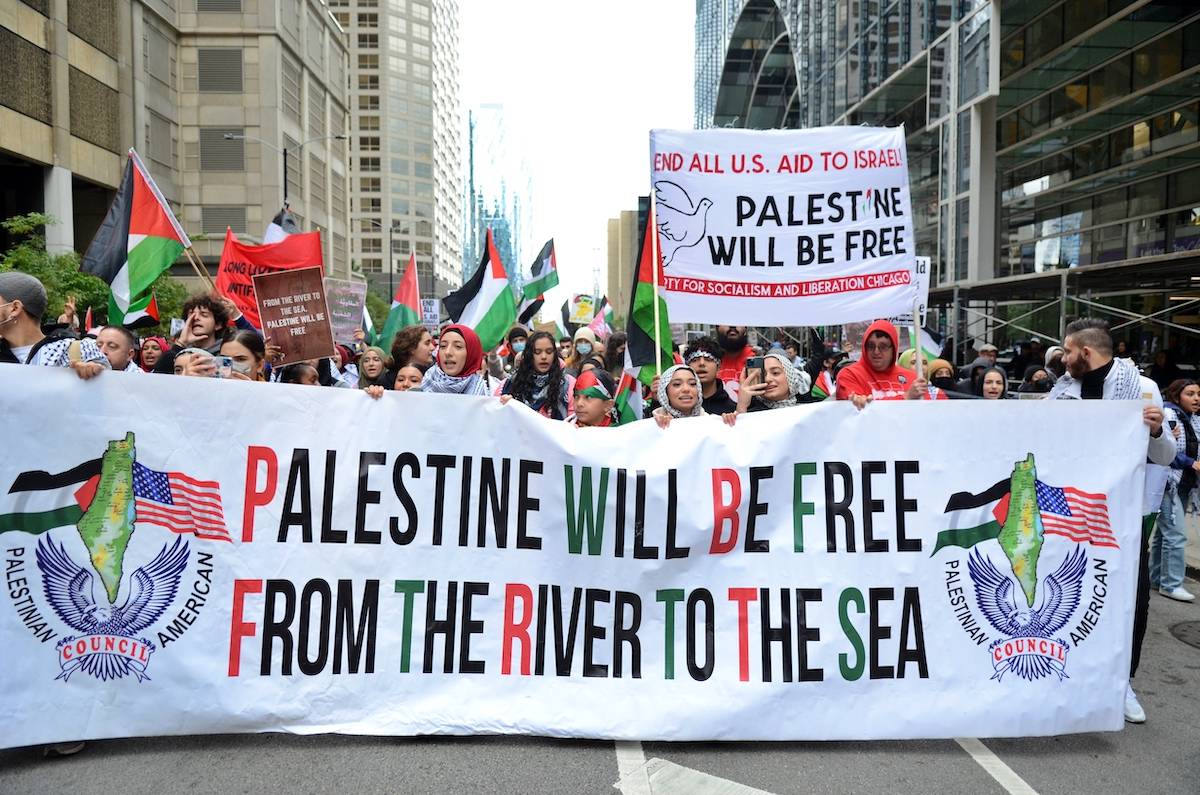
column 210, row 92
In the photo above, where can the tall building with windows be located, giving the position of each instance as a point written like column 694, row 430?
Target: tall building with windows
column 210, row 92
column 1053, row 145
column 406, row 173
column 498, row 194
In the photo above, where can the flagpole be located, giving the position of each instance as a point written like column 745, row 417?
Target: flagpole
column 918, row 355
column 194, row 259
column 654, row 268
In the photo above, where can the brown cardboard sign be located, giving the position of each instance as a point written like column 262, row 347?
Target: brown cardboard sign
column 294, row 314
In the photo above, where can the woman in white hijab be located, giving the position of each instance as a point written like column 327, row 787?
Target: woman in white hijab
column 678, row 395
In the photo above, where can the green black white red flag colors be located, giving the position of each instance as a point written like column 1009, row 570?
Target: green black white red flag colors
column 406, row 307
column 138, row 240
column 643, row 339
column 485, row 303
column 544, row 274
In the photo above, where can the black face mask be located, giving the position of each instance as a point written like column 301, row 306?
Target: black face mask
column 1042, row 385
column 943, row 382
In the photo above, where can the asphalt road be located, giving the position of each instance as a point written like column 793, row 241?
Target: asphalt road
column 1160, row 756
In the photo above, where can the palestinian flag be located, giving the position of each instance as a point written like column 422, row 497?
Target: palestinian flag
column 138, row 240
column 142, row 313
column 45, row 500
column 629, row 404
column 602, row 323
column 824, row 386
column 564, row 321
column 529, row 309
column 406, row 306
column 282, row 225
column 368, row 327
column 644, row 340
column 485, row 303
column 544, row 274
column 930, row 344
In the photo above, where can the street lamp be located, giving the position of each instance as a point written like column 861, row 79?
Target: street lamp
column 299, row 148
column 391, row 254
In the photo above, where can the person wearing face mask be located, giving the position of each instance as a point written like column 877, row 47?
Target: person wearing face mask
column 459, row 359
column 539, row 381
column 941, row 376
column 679, row 395
column 22, row 303
column 1035, row 380
column 614, row 354
column 993, row 384
column 582, row 346
column 503, row 361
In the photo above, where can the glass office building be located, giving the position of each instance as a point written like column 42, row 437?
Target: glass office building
column 1053, row 149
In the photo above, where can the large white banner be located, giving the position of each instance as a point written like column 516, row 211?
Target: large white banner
column 188, row 556
column 784, row 227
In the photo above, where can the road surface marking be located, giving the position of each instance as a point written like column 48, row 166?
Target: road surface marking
column 995, row 767
column 660, row 777
column 631, row 769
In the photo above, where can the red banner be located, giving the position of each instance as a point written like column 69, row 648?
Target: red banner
column 241, row 262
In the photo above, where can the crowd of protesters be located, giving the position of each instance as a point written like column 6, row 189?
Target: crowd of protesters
column 574, row 379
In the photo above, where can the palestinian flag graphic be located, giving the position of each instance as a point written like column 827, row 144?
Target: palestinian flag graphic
column 643, row 337
column 138, row 240
column 406, row 306
column 602, row 323
column 485, row 303
column 824, row 386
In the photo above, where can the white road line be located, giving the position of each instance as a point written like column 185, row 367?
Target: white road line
column 995, row 767
column 631, row 769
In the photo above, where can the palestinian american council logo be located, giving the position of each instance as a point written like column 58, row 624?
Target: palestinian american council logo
column 119, row 587
column 1035, row 558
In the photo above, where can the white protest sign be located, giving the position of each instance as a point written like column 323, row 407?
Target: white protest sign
column 812, row 573
column 921, row 267
column 783, row 227
column 431, row 313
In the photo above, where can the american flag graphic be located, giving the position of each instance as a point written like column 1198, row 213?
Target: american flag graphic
column 1075, row 514
column 179, row 503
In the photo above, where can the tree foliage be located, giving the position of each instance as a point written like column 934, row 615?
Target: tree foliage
column 378, row 307
column 60, row 275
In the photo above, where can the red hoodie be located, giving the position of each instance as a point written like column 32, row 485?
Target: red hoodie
column 891, row 384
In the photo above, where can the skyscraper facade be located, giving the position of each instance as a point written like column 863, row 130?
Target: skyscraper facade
column 209, row 92
column 406, row 165
column 498, row 194
column 1051, row 144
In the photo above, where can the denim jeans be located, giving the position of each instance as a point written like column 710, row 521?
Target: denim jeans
column 1167, row 565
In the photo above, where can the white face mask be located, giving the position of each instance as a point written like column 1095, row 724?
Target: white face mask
column 583, row 348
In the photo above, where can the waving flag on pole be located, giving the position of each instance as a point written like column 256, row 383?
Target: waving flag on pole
column 138, row 240
column 544, row 273
column 406, row 306
column 603, row 321
column 643, row 338
column 485, row 303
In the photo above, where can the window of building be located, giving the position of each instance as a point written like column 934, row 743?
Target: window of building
column 372, row 265
column 216, row 219
column 161, row 142
column 368, row 164
column 397, row 65
column 422, row 170
column 368, row 82
column 398, row 25
column 369, row 123
column 420, row 51
column 1158, row 60
column 400, row 207
column 368, row 102
column 159, row 55
column 221, row 153
column 368, row 60
column 371, row 204
column 371, row 245
column 220, row 69
column 420, row 10
column 368, row 41
column 973, row 61
column 368, row 20
column 219, row 6
column 369, row 185
column 368, row 143
column 295, row 167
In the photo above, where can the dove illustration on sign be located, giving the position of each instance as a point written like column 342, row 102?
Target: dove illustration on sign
column 680, row 222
